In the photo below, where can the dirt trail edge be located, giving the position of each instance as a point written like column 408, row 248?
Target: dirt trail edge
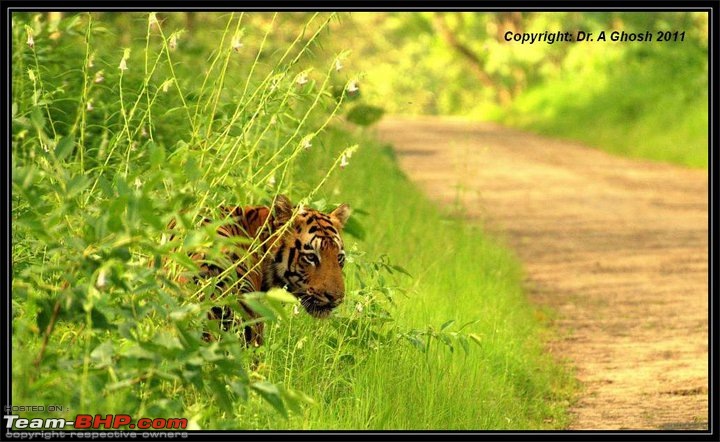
column 618, row 248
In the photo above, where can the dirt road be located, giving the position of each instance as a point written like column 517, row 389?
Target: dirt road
column 618, row 248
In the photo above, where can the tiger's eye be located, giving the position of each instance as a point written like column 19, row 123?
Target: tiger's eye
column 312, row 259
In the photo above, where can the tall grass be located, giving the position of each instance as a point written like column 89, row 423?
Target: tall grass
column 110, row 143
column 462, row 282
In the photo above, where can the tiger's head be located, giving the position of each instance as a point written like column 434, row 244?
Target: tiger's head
column 309, row 257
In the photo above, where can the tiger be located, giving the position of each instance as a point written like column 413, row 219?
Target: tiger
column 303, row 254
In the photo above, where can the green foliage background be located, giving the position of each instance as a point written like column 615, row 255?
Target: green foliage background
column 642, row 99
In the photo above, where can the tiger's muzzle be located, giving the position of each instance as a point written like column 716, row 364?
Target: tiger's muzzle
column 319, row 305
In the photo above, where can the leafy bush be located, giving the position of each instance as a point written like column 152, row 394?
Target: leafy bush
column 109, row 146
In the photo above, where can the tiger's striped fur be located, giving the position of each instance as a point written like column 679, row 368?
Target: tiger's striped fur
column 306, row 258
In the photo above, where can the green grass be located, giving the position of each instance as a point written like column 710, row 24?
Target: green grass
column 436, row 332
column 649, row 102
column 505, row 382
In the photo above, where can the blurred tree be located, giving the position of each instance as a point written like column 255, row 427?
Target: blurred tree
column 476, row 60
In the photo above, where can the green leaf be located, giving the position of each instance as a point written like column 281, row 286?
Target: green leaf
column 240, row 389
column 447, row 324
column 24, row 175
column 185, row 261
column 476, row 338
column 319, row 205
column 468, row 323
column 354, row 228
column 137, row 352
column 122, row 253
column 115, row 214
column 147, row 213
column 401, row 270
column 195, row 238
column 77, row 184
column 446, row 340
column 261, row 309
column 167, row 340
column 271, row 394
column 100, row 321
column 102, row 354
column 294, row 399
column 365, row 115
column 157, row 154
column 359, row 211
column 37, row 118
column 464, row 343
column 281, row 295
column 122, row 188
column 221, row 393
column 105, row 187
column 191, row 169
column 64, row 147
column 417, row 342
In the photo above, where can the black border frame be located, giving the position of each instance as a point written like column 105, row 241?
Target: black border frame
column 7, row 7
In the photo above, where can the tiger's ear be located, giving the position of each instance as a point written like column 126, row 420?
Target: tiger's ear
column 282, row 209
column 341, row 213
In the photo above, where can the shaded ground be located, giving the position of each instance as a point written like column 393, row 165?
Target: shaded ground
column 618, row 248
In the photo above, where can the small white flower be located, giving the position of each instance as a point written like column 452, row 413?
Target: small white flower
column 89, row 107
column 123, row 62
column 353, row 87
column 302, row 79
column 138, row 183
column 172, row 42
column 101, row 281
column 236, row 44
column 338, row 65
column 273, row 120
column 91, row 60
column 30, row 39
column 143, row 132
column 296, row 309
column 344, row 161
column 306, row 143
column 271, row 181
column 359, row 307
column 99, row 77
column 166, row 85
